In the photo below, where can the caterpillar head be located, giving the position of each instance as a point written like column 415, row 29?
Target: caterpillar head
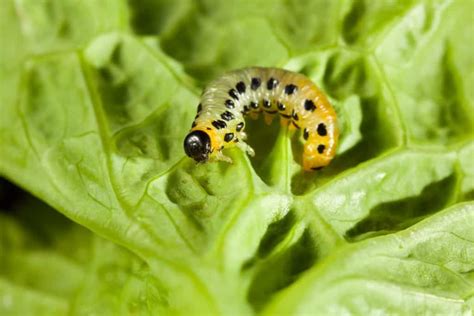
column 197, row 145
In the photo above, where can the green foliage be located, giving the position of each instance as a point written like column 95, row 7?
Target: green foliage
column 97, row 96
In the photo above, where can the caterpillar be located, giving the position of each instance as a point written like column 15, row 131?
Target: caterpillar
column 220, row 123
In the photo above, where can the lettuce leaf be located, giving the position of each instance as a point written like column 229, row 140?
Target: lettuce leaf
column 96, row 97
column 52, row 266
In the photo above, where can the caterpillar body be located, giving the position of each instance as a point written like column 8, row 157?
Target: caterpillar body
column 220, row 124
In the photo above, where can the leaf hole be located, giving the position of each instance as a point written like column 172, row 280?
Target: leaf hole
column 284, row 268
column 275, row 234
column 352, row 21
column 394, row 216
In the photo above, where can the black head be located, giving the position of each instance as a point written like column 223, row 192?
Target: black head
column 197, row 145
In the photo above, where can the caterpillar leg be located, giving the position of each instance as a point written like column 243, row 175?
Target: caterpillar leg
column 221, row 157
column 268, row 118
column 253, row 115
column 284, row 122
column 246, row 148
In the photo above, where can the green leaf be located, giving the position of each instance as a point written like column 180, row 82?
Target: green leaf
column 466, row 159
column 52, row 266
column 350, row 197
column 97, row 96
column 429, row 269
